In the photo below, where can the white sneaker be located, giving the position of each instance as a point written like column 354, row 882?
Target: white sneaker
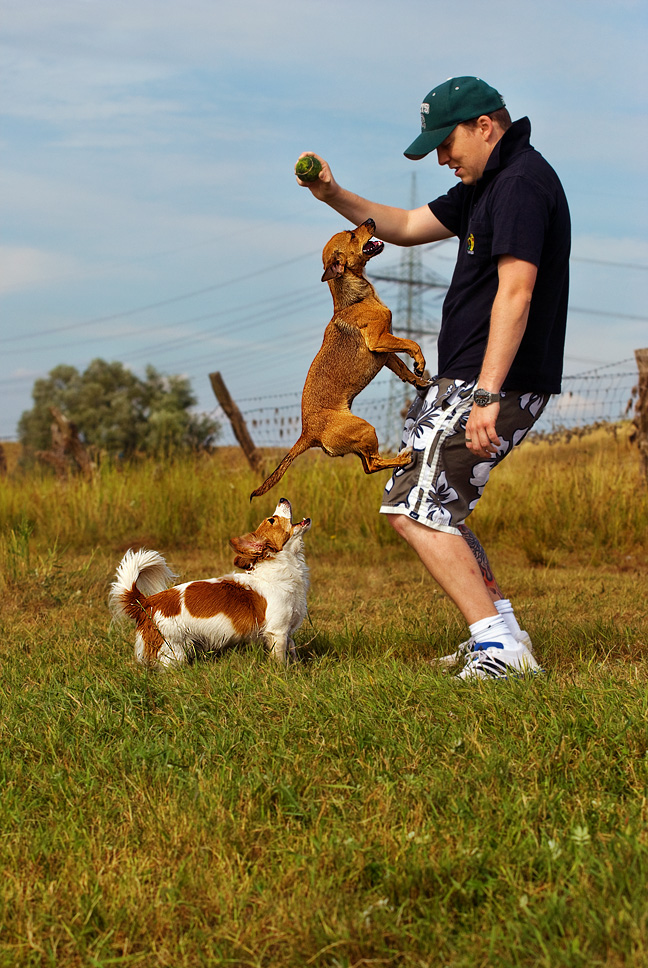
column 490, row 660
column 466, row 648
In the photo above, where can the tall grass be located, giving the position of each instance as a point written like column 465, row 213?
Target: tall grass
column 587, row 494
column 359, row 807
column 184, row 501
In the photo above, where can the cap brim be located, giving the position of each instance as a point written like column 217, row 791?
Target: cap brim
column 427, row 141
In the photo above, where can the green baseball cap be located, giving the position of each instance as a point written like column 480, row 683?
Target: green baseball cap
column 457, row 99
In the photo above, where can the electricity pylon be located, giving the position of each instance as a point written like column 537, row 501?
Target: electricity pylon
column 409, row 319
column 413, row 280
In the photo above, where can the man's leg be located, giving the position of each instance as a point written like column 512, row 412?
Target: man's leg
column 427, row 503
column 475, row 546
column 503, row 605
column 492, row 651
column 452, row 564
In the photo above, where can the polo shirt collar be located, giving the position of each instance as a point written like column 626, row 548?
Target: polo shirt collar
column 514, row 140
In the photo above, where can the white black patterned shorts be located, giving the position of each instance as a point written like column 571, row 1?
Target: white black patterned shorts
column 445, row 479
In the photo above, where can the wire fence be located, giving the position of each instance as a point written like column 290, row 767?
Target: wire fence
column 602, row 395
column 605, row 394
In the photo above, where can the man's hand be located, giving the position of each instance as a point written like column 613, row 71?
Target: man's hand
column 324, row 187
column 481, row 436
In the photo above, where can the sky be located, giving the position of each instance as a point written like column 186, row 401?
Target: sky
column 148, row 207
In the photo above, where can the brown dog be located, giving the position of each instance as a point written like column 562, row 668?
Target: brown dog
column 358, row 342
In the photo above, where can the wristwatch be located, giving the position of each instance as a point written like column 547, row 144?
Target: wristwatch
column 483, row 398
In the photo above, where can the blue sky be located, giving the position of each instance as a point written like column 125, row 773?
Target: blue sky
column 148, row 209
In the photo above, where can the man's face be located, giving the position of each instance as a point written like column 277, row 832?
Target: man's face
column 466, row 152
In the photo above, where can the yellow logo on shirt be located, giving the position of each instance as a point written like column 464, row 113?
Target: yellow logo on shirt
column 470, row 245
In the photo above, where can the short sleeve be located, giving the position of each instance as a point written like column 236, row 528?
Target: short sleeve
column 520, row 216
column 449, row 209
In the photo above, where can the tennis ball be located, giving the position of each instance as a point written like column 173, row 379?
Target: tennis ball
column 308, row 168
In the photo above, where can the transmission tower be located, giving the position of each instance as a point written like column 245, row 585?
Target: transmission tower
column 409, row 320
column 413, row 280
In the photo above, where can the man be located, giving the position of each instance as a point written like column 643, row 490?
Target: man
column 500, row 346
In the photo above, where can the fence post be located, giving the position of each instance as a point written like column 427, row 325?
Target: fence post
column 65, row 440
column 640, row 421
column 254, row 457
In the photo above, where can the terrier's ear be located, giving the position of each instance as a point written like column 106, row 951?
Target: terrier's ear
column 248, row 550
column 334, row 271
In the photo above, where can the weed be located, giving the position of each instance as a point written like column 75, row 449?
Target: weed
column 359, row 807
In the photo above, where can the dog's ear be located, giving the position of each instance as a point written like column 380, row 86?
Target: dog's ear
column 250, row 548
column 334, row 271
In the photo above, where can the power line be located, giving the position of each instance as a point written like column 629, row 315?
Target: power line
column 606, row 262
column 158, row 305
column 612, row 315
column 291, row 298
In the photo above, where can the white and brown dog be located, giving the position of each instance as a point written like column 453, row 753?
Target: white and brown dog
column 197, row 618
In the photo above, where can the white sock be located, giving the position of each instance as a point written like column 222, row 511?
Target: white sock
column 505, row 609
column 493, row 629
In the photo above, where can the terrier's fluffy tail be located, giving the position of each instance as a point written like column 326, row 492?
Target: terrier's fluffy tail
column 138, row 573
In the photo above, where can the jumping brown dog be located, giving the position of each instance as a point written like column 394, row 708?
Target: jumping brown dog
column 358, row 342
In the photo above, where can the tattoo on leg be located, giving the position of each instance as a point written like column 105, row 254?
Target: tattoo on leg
column 484, row 565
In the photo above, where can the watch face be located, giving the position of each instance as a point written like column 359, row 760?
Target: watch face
column 482, row 398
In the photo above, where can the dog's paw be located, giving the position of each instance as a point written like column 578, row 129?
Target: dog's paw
column 419, row 368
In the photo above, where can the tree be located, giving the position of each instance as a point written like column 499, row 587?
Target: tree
column 118, row 413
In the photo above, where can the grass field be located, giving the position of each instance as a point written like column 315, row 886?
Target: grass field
column 359, row 807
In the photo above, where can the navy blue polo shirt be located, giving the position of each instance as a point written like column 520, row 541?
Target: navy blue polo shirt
column 518, row 207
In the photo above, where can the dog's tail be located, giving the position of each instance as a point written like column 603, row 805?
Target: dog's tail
column 139, row 574
column 302, row 444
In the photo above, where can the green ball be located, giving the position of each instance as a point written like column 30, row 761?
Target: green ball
column 308, row 168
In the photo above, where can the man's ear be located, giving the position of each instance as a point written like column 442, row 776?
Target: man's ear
column 334, row 271
column 486, row 127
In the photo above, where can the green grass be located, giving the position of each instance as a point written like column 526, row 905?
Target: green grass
column 350, row 810
column 358, row 808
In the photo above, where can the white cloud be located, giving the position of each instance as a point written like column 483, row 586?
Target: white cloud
column 148, row 145
column 23, row 268
column 628, row 251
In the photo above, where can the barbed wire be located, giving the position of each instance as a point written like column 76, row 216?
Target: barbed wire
column 601, row 395
column 604, row 394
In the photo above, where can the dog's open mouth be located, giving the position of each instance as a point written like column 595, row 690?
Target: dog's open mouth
column 372, row 247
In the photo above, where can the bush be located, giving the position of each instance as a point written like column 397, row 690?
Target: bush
column 117, row 413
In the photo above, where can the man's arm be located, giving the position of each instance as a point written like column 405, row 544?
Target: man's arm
column 508, row 321
column 396, row 225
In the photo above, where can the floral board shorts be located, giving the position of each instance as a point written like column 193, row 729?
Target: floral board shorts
column 445, row 480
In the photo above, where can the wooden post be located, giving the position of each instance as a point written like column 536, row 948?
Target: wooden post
column 72, row 443
column 640, row 421
column 252, row 453
column 65, row 440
